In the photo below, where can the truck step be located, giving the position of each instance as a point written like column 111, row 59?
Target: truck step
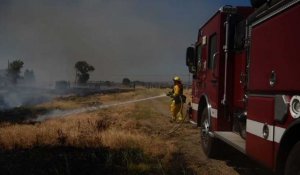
column 233, row 139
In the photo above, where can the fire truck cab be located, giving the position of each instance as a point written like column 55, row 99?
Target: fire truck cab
column 246, row 82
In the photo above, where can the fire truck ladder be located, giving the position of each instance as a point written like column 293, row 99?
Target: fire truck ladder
column 233, row 139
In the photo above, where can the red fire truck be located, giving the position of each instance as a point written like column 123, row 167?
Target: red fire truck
column 246, row 82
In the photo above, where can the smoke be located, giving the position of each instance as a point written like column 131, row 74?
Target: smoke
column 25, row 96
column 141, row 40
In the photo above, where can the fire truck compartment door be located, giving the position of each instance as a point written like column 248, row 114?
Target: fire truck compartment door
column 260, row 129
column 275, row 53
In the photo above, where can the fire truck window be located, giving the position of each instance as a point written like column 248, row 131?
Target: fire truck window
column 239, row 35
column 212, row 50
column 199, row 57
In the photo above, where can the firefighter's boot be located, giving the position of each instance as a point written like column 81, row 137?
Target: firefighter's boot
column 174, row 111
column 179, row 117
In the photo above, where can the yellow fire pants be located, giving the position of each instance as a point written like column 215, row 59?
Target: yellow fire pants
column 176, row 111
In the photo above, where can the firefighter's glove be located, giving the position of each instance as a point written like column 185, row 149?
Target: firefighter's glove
column 170, row 94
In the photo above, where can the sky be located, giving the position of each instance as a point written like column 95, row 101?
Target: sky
column 141, row 40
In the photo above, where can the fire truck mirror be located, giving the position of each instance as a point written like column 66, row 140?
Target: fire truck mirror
column 190, row 59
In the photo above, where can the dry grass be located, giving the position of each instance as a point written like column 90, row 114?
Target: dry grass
column 125, row 130
column 132, row 139
column 93, row 100
column 59, row 104
column 116, row 129
column 72, row 102
column 85, row 130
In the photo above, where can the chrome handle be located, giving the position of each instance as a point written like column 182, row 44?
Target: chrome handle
column 213, row 65
column 214, row 59
column 272, row 79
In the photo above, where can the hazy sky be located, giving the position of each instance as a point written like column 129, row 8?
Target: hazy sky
column 139, row 39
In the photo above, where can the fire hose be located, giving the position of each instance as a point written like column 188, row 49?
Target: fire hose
column 61, row 113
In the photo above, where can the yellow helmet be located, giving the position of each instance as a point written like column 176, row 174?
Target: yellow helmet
column 176, row 78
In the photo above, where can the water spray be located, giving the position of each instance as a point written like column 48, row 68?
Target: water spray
column 64, row 113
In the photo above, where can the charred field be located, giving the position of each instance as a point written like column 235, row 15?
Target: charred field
column 26, row 104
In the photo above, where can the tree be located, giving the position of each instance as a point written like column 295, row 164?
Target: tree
column 126, row 81
column 82, row 71
column 14, row 70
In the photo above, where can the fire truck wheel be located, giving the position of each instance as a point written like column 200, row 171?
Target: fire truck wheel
column 209, row 144
column 292, row 163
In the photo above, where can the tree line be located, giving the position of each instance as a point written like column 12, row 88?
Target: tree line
column 13, row 72
column 82, row 73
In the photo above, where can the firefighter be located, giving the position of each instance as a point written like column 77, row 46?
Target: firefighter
column 177, row 100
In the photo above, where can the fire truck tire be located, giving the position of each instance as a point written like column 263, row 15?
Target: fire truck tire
column 292, row 164
column 209, row 144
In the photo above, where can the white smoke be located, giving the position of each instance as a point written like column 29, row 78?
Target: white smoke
column 23, row 96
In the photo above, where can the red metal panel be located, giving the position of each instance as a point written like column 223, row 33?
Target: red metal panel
column 214, row 88
column 214, row 26
column 238, row 87
column 261, row 109
column 275, row 47
column 260, row 149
